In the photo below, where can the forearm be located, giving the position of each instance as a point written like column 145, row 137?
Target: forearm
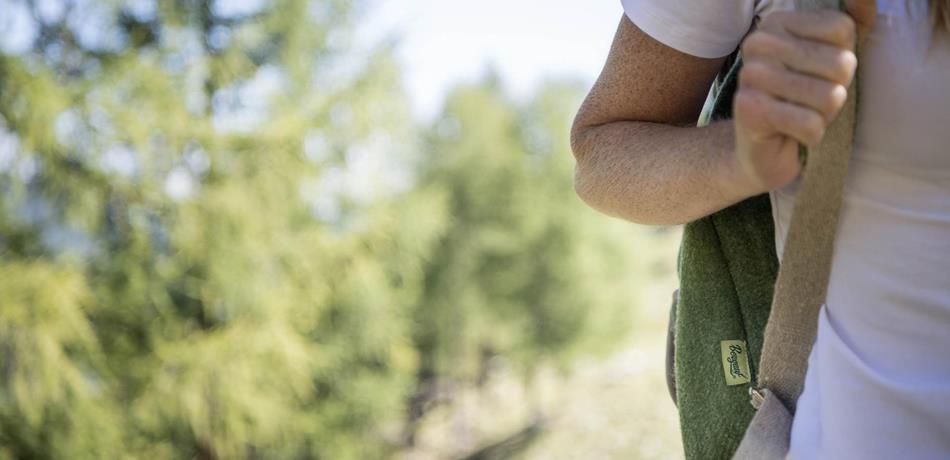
column 658, row 174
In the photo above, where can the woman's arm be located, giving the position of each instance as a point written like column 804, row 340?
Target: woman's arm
column 638, row 155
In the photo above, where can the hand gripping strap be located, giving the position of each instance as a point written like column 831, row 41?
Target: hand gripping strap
column 806, row 261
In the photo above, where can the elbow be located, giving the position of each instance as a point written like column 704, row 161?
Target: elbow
column 578, row 134
column 582, row 148
column 600, row 195
column 587, row 185
column 600, row 185
column 595, row 190
column 583, row 185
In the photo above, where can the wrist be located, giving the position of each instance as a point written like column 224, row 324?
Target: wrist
column 738, row 182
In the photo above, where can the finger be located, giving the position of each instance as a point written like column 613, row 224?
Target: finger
column 817, row 94
column 805, row 56
column 826, row 26
column 804, row 125
column 864, row 13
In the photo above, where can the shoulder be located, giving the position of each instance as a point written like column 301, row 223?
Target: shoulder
column 703, row 28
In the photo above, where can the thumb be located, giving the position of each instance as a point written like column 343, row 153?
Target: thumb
column 864, row 13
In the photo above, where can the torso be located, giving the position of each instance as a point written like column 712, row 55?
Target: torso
column 878, row 384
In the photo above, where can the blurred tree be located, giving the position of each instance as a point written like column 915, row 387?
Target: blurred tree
column 213, row 245
column 185, row 272
column 524, row 272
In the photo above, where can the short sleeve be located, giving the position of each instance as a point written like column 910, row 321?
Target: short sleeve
column 702, row 28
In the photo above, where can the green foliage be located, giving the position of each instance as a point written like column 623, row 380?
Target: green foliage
column 193, row 264
column 525, row 270
column 49, row 351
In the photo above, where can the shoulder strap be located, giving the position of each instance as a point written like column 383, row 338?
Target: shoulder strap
column 806, row 261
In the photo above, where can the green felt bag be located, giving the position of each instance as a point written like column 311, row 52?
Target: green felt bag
column 727, row 268
column 734, row 299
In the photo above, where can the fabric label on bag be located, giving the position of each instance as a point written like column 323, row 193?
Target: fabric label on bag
column 735, row 362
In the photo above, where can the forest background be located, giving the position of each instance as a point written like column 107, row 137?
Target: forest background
column 225, row 233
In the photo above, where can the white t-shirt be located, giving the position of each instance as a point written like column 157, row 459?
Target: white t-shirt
column 878, row 382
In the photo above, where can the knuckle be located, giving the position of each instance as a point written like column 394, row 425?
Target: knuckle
column 813, row 127
column 845, row 64
column 849, row 30
column 746, row 100
column 842, row 29
column 743, row 105
column 754, row 73
column 809, row 48
column 835, row 97
column 755, row 44
column 766, row 44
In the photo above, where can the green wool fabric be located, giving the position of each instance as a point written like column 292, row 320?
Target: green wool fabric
column 727, row 271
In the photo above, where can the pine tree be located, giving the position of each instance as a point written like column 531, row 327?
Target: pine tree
column 181, row 277
column 213, row 243
column 525, row 271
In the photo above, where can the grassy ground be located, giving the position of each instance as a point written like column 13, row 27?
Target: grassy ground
column 615, row 407
column 620, row 408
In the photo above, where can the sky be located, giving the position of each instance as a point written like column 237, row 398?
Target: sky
column 441, row 43
column 444, row 42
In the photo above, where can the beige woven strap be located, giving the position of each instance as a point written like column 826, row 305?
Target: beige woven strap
column 806, row 261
